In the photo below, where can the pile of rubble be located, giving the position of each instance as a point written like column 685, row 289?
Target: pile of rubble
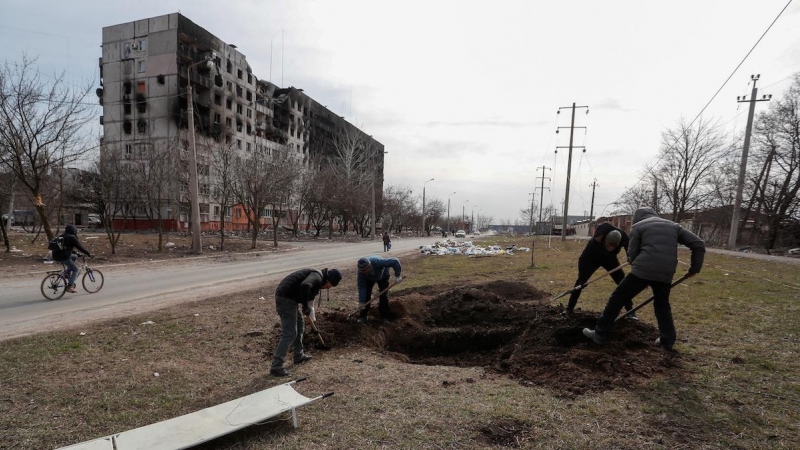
column 452, row 247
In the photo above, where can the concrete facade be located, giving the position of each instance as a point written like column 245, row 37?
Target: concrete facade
column 144, row 76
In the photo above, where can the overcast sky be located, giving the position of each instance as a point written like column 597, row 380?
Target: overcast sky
column 467, row 92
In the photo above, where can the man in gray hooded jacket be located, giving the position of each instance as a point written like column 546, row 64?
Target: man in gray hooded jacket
column 653, row 254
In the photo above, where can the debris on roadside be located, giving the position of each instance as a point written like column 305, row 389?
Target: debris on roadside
column 452, row 247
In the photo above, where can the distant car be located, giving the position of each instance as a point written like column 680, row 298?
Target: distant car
column 461, row 234
column 794, row 252
column 476, row 233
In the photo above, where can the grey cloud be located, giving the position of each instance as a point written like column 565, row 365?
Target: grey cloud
column 610, row 104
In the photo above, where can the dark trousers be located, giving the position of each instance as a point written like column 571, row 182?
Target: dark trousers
column 629, row 288
column 587, row 267
column 386, row 246
column 292, row 328
column 383, row 301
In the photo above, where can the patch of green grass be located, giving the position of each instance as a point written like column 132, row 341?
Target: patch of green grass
column 737, row 334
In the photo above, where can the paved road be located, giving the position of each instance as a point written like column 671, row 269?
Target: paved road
column 146, row 286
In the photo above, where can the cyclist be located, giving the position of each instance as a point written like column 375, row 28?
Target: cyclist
column 66, row 255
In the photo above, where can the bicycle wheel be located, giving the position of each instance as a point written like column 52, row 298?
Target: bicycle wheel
column 92, row 280
column 53, row 287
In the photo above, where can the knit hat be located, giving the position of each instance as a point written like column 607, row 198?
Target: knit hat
column 613, row 238
column 363, row 264
column 334, row 277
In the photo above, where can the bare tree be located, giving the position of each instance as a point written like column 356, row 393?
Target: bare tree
column 688, row 154
column 6, row 191
column 223, row 157
column 778, row 138
column 41, row 127
column 154, row 177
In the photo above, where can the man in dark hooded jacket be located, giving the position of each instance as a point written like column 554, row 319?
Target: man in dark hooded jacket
column 653, row 254
column 66, row 257
column 601, row 251
column 298, row 288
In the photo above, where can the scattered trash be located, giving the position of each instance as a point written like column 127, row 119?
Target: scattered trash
column 197, row 315
column 261, row 298
column 211, row 247
column 82, row 333
column 155, row 374
column 48, row 261
column 149, row 322
column 169, row 245
column 254, row 333
column 15, row 250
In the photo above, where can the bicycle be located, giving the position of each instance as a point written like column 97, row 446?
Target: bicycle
column 54, row 285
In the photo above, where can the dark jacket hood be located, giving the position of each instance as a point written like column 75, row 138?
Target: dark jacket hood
column 71, row 229
column 643, row 213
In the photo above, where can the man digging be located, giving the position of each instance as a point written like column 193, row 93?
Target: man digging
column 298, row 288
column 371, row 270
column 653, row 254
column 601, row 251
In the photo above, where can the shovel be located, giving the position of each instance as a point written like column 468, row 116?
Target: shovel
column 675, row 283
column 320, row 342
column 578, row 288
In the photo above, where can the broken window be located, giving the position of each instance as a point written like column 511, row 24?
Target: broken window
column 249, row 78
column 249, row 96
column 228, row 122
column 126, row 88
column 239, row 74
column 228, row 103
column 239, row 144
column 238, row 109
column 216, row 118
column 218, row 99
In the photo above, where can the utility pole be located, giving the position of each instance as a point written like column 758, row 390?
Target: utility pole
column 591, row 210
column 533, row 198
column 197, row 244
column 569, row 163
column 541, row 192
column 743, row 166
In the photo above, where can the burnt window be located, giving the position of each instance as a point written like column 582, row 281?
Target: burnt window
column 228, row 103
column 229, row 85
column 238, row 109
column 239, row 74
column 126, row 106
column 227, row 138
column 141, row 126
column 160, row 79
column 141, row 88
column 126, row 88
column 238, row 91
column 249, row 113
column 217, row 118
column 228, row 122
column 127, row 127
column 249, row 129
column 229, row 66
column 249, row 78
column 217, row 99
column 249, row 96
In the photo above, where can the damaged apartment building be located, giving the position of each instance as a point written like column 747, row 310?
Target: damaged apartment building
column 144, row 74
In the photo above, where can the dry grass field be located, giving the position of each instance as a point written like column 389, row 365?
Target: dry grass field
column 734, row 383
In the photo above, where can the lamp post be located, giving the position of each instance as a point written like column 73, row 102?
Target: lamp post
column 463, row 214
column 448, row 211
column 374, row 172
column 423, row 205
column 197, row 243
column 472, row 221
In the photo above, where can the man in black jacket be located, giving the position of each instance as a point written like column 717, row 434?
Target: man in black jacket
column 67, row 258
column 298, row 288
column 653, row 254
column 601, row 251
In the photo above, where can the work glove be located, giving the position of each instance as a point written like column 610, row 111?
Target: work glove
column 398, row 279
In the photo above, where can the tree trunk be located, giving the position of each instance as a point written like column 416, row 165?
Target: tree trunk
column 45, row 221
column 222, row 229
column 5, row 235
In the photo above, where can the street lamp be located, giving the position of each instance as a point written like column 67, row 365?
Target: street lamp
column 197, row 244
column 472, row 223
column 448, row 212
column 423, row 205
column 463, row 215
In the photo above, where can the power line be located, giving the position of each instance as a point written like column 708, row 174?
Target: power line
column 671, row 147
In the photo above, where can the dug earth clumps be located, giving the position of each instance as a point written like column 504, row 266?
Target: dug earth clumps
column 508, row 328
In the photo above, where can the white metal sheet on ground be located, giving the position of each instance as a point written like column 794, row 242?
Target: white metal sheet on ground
column 204, row 425
column 96, row 444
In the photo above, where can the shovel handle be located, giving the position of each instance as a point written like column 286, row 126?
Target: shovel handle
column 578, row 288
column 652, row 297
column 316, row 331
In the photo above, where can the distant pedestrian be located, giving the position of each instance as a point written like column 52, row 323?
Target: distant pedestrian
column 653, row 254
column 387, row 242
column 298, row 288
column 601, row 251
column 371, row 270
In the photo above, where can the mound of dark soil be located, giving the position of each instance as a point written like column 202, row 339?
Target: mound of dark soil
column 509, row 328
